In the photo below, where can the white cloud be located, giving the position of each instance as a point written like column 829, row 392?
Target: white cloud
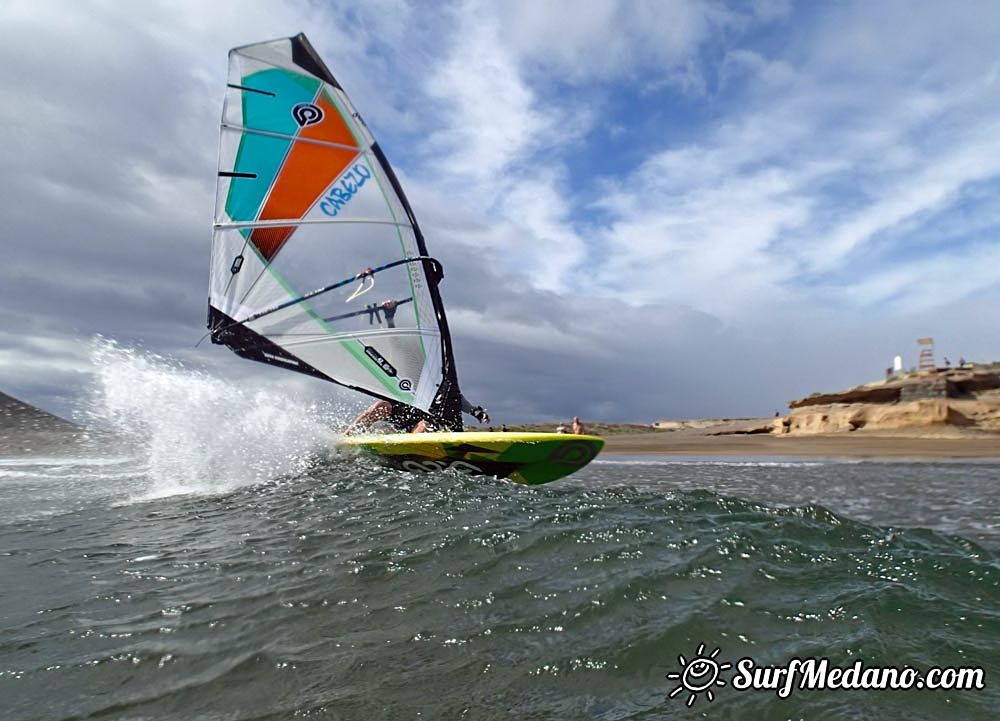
column 527, row 333
column 606, row 39
column 740, row 63
column 494, row 149
column 40, row 356
column 926, row 283
column 816, row 169
column 491, row 117
column 771, row 225
column 922, row 186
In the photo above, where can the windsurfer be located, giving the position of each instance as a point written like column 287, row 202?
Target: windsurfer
column 406, row 418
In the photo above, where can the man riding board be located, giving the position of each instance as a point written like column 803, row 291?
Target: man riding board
column 407, row 419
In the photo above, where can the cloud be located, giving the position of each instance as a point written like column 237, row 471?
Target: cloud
column 491, row 118
column 826, row 159
column 643, row 210
column 607, row 39
column 925, row 184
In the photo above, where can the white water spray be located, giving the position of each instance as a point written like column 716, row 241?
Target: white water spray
column 197, row 433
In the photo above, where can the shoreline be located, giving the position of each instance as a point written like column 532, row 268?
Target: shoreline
column 826, row 446
column 26, row 431
column 830, row 446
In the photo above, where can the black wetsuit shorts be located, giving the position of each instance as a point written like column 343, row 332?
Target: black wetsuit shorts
column 404, row 417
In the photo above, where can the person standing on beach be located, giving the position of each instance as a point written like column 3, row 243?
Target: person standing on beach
column 578, row 427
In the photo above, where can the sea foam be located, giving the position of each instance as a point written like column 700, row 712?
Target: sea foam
column 197, row 433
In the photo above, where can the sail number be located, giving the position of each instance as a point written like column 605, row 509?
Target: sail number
column 342, row 191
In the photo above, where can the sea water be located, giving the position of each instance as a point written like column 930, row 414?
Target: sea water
column 262, row 577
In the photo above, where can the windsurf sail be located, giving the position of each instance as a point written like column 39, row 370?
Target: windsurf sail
column 318, row 264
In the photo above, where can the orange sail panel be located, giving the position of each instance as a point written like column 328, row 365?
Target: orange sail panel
column 308, row 170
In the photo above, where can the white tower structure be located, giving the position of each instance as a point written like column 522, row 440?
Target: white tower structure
column 926, row 354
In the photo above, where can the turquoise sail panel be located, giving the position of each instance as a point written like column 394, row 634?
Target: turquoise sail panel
column 274, row 114
column 263, row 155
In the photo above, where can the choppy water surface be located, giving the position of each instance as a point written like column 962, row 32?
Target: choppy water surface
column 327, row 588
column 352, row 591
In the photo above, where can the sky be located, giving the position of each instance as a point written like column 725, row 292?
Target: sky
column 645, row 210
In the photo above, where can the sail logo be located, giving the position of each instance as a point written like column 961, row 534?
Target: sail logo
column 307, row 114
column 343, row 190
column 388, row 368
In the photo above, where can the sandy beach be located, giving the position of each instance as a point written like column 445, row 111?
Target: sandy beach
column 741, row 437
column 854, row 445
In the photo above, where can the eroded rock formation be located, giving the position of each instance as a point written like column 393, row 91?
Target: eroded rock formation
column 939, row 402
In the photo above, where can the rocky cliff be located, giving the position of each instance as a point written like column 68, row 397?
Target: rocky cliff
column 942, row 402
column 16, row 415
column 26, row 429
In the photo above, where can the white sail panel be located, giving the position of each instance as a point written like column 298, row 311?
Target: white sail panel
column 317, row 262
